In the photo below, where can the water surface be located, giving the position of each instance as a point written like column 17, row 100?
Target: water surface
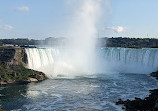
column 91, row 93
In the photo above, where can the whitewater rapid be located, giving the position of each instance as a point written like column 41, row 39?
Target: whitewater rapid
column 122, row 60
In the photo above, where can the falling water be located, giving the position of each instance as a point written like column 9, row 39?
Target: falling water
column 112, row 60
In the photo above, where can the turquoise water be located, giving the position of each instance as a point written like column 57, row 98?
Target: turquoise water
column 89, row 93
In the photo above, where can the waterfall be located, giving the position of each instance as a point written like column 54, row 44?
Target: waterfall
column 109, row 60
column 38, row 58
column 128, row 60
column 127, row 56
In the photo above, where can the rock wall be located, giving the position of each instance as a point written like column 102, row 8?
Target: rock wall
column 17, row 59
column 6, row 54
column 13, row 55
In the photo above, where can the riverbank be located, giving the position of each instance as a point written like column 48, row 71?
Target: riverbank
column 149, row 103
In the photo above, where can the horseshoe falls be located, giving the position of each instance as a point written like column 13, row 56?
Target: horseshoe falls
column 55, row 62
column 118, row 73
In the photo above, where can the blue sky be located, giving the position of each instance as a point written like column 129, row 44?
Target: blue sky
column 39, row 19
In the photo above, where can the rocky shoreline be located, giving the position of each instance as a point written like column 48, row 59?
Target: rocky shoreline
column 149, row 103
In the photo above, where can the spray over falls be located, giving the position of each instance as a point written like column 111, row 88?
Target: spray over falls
column 79, row 53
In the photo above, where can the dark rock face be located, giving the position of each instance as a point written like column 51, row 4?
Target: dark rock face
column 41, row 77
column 6, row 55
column 155, row 74
column 13, row 55
column 148, row 104
column 24, row 55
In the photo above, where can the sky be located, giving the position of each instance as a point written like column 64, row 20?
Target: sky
column 39, row 19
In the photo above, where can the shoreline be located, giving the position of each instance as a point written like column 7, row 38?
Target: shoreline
column 149, row 103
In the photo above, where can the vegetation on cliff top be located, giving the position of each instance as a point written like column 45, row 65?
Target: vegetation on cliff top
column 128, row 42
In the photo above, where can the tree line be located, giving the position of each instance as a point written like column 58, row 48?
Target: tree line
column 128, row 42
column 101, row 42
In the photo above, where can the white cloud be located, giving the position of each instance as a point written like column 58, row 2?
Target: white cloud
column 117, row 29
column 24, row 8
column 6, row 27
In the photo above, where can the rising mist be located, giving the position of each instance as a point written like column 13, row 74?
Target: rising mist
column 79, row 56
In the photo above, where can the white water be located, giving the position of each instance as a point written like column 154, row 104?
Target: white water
column 81, row 34
column 56, row 62
column 122, row 60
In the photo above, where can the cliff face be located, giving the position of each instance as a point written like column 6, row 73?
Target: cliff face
column 17, row 58
column 12, row 55
column 12, row 67
column 6, row 54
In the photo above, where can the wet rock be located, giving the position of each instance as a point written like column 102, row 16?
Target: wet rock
column 10, row 81
column 22, row 82
column 3, row 83
column 32, row 80
column 41, row 77
column 156, row 105
column 147, row 104
column 155, row 74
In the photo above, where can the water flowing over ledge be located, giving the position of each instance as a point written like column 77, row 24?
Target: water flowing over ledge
column 53, row 61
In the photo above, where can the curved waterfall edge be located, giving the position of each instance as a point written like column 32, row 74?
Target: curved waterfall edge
column 56, row 62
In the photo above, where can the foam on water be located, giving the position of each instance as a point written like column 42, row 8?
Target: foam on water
column 99, row 93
